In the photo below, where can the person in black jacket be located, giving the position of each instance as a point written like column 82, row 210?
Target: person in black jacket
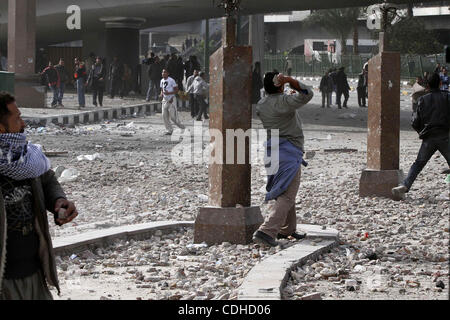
column 96, row 81
column 53, row 81
column 154, row 75
column 432, row 122
column 326, row 87
column 361, row 89
column 342, row 87
column 115, row 76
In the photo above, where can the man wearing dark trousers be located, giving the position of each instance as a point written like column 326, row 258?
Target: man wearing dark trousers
column 115, row 77
column 432, row 122
column 190, row 91
column 154, row 74
column 53, row 81
column 201, row 92
column 28, row 189
column 96, row 81
column 342, row 87
column 361, row 89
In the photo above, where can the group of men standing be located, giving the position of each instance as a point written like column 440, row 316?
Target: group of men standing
column 91, row 74
column 167, row 78
column 175, row 66
column 336, row 81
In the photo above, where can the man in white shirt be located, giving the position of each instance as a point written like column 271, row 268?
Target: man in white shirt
column 169, row 89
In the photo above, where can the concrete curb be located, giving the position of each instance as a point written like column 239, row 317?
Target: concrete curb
column 266, row 280
column 95, row 115
column 100, row 238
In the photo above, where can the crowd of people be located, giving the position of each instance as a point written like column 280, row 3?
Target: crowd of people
column 29, row 187
column 92, row 74
column 189, row 43
column 172, row 73
column 335, row 80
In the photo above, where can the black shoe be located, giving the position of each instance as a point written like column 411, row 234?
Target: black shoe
column 295, row 235
column 206, row 117
column 262, row 238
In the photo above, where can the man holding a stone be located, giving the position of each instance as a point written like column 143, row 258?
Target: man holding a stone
column 432, row 122
column 280, row 111
column 169, row 89
column 28, row 188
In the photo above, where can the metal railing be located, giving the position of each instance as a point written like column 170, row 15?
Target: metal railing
column 412, row 66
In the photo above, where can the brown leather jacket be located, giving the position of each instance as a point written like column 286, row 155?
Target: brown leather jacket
column 46, row 190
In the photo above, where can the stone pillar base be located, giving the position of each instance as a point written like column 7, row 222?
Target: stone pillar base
column 379, row 183
column 215, row 225
column 28, row 92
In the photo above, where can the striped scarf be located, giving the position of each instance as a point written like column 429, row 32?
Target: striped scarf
column 20, row 159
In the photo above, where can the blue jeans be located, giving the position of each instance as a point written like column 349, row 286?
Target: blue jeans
column 80, row 91
column 427, row 149
column 55, row 95
column 62, row 86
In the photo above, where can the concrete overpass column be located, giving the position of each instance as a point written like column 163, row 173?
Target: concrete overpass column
column 94, row 42
column 256, row 38
column 122, row 40
column 22, row 53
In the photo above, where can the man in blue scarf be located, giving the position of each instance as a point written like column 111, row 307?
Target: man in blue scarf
column 28, row 189
column 279, row 113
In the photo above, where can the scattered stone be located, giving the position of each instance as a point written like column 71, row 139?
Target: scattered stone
column 312, row 296
column 359, row 268
column 440, row 284
column 351, row 285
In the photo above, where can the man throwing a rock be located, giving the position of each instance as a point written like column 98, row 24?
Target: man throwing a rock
column 432, row 122
column 280, row 111
column 28, row 188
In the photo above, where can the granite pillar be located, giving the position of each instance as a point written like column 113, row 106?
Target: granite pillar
column 22, row 53
column 229, row 216
column 383, row 140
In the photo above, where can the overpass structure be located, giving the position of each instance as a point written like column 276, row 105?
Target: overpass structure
column 52, row 14
column 98, row 17
column 111, row 27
